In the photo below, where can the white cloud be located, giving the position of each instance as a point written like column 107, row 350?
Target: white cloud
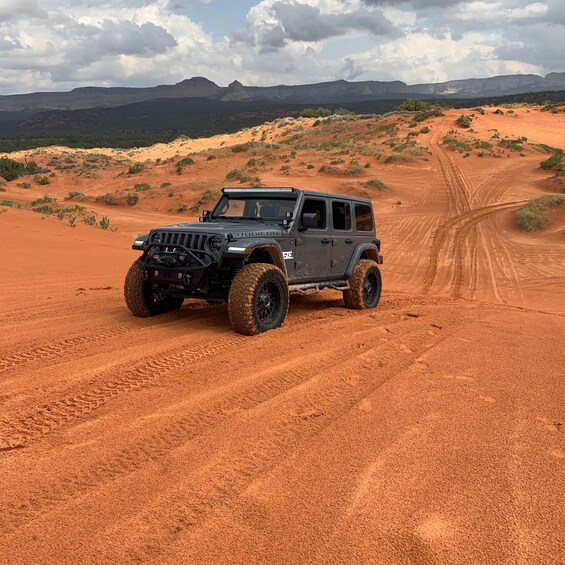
column 62, row 44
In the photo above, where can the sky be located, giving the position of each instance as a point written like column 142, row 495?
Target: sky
column 48, row 45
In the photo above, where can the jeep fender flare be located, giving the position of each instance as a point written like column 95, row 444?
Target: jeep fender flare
column 264, row 249
column 363, row 251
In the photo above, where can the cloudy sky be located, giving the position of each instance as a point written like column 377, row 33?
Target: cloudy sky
column 62, row 44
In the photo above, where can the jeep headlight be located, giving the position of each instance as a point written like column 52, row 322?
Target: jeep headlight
column 216, row 243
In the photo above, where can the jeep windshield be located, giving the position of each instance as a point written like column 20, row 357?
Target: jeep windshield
column 266, row 208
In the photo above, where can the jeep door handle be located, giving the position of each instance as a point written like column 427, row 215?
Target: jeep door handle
column 326, row 240
column 348, row 240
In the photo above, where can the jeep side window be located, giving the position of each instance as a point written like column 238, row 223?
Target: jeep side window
column 363, row 217
column 341, row 214
column 318, row 207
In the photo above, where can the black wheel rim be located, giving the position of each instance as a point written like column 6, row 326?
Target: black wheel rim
column 268, row 302
column 370, row 289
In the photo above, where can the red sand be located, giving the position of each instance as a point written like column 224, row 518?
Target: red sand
column 429, row 430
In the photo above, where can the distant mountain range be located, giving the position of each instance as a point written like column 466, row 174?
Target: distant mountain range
column 319, row 93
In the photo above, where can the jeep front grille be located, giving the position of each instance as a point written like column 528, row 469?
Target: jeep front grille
column 193, row 241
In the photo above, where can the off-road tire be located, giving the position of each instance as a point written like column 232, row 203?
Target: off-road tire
column 139, row 295
column 365, row 286
column 256, row 290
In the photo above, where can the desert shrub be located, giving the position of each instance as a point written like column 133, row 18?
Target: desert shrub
column 285, row 169
column 108, row 199
column 532, row 216
column 11, row 169
column 353, row 171
column 206, row 197
column 413, row 106
column 89, row 220
column 183, row 163
column 240, row 148
column 310, row 166
column 454, row 144
column 141, row 187
column 9, row 203
column 72, row 220
column 513, row 144
column 375, row 183
column 182, row 209
column 104, row 223
column 234, row 174
column 45, row 209
column 329, row 170
column 478, row 144
column 315, row 113
column 498, row 111
column 212, row 157
column 44, row 200
column 422, row 116
column 555, row 161
column 136, row 168
column 132, row 199
column 464, row 121
column 41, row 180
column 165, row 185
column 74, row 194
column 425, row 129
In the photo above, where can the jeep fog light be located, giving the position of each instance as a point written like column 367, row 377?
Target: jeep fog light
column 216, row 243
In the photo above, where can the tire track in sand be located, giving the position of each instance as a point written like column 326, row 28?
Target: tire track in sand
column 64, row 346
column 42, row 420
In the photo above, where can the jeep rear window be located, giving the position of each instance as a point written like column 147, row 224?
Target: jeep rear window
column 254, row 207
column 363, row 217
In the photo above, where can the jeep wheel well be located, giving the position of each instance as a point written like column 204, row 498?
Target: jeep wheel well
column 268, row 254
column 370, row 254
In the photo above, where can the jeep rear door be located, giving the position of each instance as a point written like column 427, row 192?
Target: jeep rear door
column 342, row 236
column 313, row 245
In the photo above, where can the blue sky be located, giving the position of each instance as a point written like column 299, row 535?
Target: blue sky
column 62, row 44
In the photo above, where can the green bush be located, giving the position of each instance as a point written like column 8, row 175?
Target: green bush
column 108, row 199
column 165, row 185
column 89, row 220
column 464, row 121
column 74, row 194
column 235, row 174
column 375, row 183
column 315, row 113
column 104, row 223
column 44, row 200
column 532, row 216
column 132, row 199
column 141, row 187
column 136, row 168
column 425, row 129
column 413, row 106
column 11, row 169
column 42, row 180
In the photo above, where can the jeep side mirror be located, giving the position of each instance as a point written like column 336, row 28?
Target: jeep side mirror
column 309, row 220
column 205, row 216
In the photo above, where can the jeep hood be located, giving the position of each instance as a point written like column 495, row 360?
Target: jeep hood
column 238, row 230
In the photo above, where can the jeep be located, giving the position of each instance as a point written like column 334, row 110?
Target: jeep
column 253, row 249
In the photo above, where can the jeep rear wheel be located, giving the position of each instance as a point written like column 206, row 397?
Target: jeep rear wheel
column 143, row 298
column 364, row 286
column 258, row 299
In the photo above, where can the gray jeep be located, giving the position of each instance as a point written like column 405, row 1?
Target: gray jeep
column 254, row 248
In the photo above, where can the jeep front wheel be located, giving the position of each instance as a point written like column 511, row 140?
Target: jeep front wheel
column 258, row 299
column 143, row 298
column 364, row 286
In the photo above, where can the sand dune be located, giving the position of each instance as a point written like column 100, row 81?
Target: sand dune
column 429, row 430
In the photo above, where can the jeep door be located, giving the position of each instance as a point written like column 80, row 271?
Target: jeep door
column 342, row 236
column 314, row 244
